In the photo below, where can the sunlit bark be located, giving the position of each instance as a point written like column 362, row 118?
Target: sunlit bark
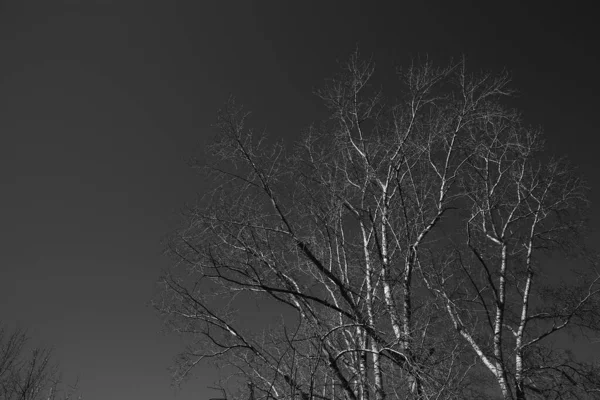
column 399, row 240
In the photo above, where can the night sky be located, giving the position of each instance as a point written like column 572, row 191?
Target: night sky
column 102, row 103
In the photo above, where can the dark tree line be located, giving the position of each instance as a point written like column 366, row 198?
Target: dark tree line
column 412, row 242
column 28, row 372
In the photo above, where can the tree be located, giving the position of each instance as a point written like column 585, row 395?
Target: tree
column 365, row 233
column 520, row 213
column 29, row 373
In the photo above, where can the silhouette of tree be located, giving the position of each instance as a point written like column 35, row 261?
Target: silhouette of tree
column 28, row 373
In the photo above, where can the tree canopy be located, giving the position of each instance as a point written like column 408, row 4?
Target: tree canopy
column 410, row 241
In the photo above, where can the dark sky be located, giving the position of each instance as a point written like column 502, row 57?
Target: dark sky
column 102, row 103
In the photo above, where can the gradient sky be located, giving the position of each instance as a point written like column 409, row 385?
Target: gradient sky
column 102, row 103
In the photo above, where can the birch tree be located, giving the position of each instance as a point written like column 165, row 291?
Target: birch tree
column 343, row 234
column 524, row 214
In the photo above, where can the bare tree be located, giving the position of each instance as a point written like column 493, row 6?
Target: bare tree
column 28, row 373
column 344, row 234
column 521, row 213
